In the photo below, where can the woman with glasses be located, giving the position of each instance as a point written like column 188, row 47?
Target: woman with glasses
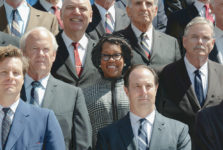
column 106, row 99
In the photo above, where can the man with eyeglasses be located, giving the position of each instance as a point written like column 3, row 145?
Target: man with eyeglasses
column 194, row 82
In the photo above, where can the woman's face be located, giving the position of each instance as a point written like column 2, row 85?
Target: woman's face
column 112, row 61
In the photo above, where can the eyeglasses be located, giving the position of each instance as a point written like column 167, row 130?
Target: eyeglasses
column 107, row 57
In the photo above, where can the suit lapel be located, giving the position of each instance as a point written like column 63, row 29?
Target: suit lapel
column 18, row 124
column 155, row 44
column 98, row 21
column 118, row 19
column 187, row 87
column 125, row 130
column 4, row 27
column 63, row 55
column 157, row 131
column 49, row 93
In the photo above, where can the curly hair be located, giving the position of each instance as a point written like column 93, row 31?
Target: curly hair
column 112, row 39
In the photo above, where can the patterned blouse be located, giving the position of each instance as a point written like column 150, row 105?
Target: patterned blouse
column 106, row 102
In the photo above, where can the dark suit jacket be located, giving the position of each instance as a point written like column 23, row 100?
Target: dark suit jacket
column 177, row 22
column 69, row 106
column 159, row 22
column 172, row 6
column 165, row 49
column 36, row 18
column 63, row 68
column 176, row 97
column 34, row 128
column 208, row 128
column 39, row 6
column 166, row 134
column 6, row 39
column 96, row 29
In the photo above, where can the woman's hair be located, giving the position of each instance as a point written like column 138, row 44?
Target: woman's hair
column 125, row 48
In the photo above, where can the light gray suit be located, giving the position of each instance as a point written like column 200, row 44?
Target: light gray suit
column 167, row 134
column 69, row 106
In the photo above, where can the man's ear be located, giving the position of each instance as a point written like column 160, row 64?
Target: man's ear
column 126, row 91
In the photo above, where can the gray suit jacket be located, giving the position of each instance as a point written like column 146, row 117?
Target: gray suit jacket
column 36, row 18
column 176, row 97
column 167, row 134
column 96, row 29
column 63, row 68
column 69, row 106
column 165, row 49
column 6, row 39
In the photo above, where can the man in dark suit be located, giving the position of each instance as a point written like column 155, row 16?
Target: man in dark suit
column 73, row 61
column 151, row 47
column 6, row 39
column 177, row 21
column 143, row 127
column 26, row 16
column 172, row 6
column 194, row 82
column 208, row 128
column 67, row 101
column 23, row 126
column 102, row 8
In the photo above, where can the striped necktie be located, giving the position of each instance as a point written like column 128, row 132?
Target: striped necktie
column 15, row 29
column 198, row 87
column 77, row 59
column 142, row 135
column 145, row 45
column 109, row 23
column 6, row 124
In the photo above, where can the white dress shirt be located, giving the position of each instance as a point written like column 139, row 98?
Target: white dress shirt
column 149, row 34
column 219, row 43
column 200, row 8
column 48, row 6
column 23, row 11
column 204, row 74
column 82, row 48
column 103, row 11
column 13, row 108
column 40, row 90
column 135, row 123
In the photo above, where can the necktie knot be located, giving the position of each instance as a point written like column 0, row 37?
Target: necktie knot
column 75, row 45
column 55, row 8
column 142, row 121
column 5, row 110
column 197, row 72
column 35, row 84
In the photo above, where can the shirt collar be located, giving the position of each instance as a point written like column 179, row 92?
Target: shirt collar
column 150, row 118
column 13, row 106
column 199, row 5
column 22, row 10
column 68, row 42
column 48, row 5
column 103, row 11
column 138, row 33
column 191, row 68
column 29, row 80
column 218, row 32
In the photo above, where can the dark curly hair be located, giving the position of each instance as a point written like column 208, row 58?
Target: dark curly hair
column 112, row 39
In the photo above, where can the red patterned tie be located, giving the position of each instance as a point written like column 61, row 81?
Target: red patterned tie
column 77, row 59
column 57, row 14
column 109, row 23
column 208, row 15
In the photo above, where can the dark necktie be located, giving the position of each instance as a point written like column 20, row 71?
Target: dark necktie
column 145, row 45
column 57, row 14
column 34, row 94
column 109, row 23
column 15, row 29
column 198, row 87
column 77, row 59
column 6, row 123
column 142, row 135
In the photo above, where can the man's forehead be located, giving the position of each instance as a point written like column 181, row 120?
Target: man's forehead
column 151, row 1
column 79, row 2
column 200, row 28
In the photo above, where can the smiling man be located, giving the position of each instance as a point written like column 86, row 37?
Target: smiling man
column 194, row 82
column 73, row 61
column 143, row 127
